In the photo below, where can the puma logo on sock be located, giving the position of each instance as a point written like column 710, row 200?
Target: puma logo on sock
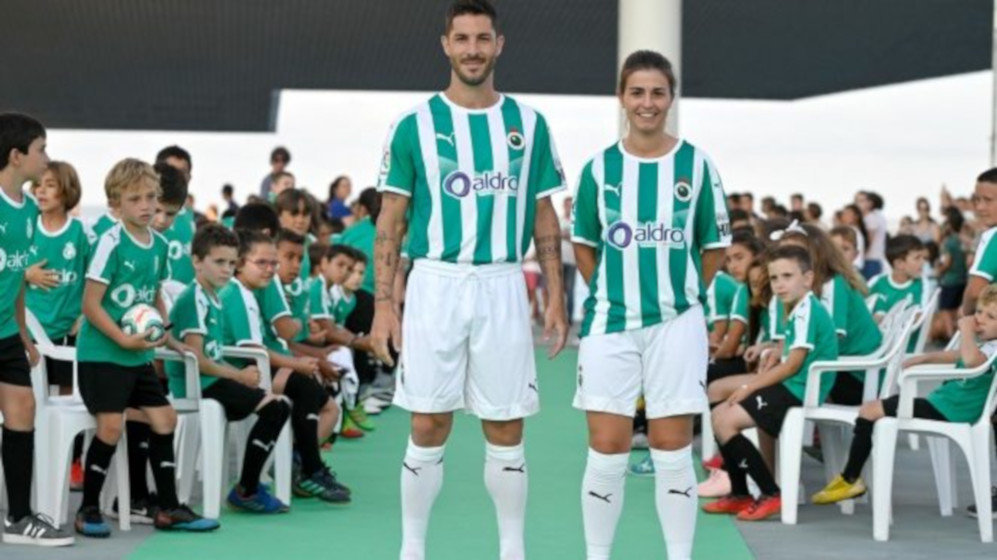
column 685, row 493
column 520, row 469
column 312, row 417
column 167, row 465
column 603, row 498
column 743, row 465
column 264, row 446
column 413, row 470
column 99, row 470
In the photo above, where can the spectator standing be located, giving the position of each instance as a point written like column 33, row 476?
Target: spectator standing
column 279, row 158
column 871, row 205
column 339, row 191
column 925, row 227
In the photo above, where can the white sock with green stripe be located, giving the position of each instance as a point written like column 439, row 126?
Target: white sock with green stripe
column 506, row 481
column 422, row 478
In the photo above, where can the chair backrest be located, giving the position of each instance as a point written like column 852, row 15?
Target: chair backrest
column 991, row 404
column 924, row 318
column 898, row 346
column 49, row 349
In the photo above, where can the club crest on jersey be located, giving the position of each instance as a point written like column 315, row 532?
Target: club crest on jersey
column 515, row 139
column 69, row 251
column 683, row 191
column 648, row 234
column 459, row 184
column 385, row 163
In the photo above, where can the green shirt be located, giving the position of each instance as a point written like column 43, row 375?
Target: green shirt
column 296, row 293
column 773, row 321
column 342, row 305
column 473, row 177
column 360, row 236
column 196, row 312
column 133, row 273
column 962, row 400
column 854, row 323
column 180, row 235
column 17, row 224
column 242, row 323
column 888, row 293
column 985, row 261
column 320, row 299
column 103, row 223
column 306, row 261
column 649, row 220
column 720, row 298
column 67, row 253
column 740, row 308
column 955, row 274
column 273, row 306
column 809, row 326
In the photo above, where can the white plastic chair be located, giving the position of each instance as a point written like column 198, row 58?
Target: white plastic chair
column 924, row 318
column 973, row 439
column 834, row 416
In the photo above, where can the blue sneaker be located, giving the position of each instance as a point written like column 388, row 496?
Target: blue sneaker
column 90, row 523
column 643, row 468
column 182, row 518
column 260, row 502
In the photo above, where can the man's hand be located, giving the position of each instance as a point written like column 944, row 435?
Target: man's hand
column 40, row 277
column 555, row 329
column 385, row 330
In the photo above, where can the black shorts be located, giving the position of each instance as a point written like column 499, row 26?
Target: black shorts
column 847, row 390
column 238, row 400
column 768, row 407
column 60, row 372
column 14, row 366
column 108, row 387
column 725, row 367
column 922, row 408
column 950, row 297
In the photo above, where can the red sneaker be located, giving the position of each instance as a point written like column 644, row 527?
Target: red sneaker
column 731, row 505
column 715, row 462
column 76, row 476
column 763, row 508
column 351, row 433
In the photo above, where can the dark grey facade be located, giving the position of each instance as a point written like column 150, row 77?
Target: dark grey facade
column 218, row 64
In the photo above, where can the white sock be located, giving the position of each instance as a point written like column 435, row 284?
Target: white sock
column 676, row 500
column 602, row 501
column 422, row 478
column 507, row 481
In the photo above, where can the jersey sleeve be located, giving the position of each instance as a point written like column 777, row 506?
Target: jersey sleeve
column 397, row 173
column 839, row 309
column 104, row 264
column 187, row 318
column 739, row 307
column 876, row 291
column 775, row 322
column 546, row 174
column 805, row 329
column 274, row 305
column 985, row 262
column 241, row 326
column 318, row 301
column 586, row 228
column 712, row 223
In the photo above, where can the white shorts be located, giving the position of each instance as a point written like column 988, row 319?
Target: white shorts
column 665, row 362
column 467, row 342
column 349, row 383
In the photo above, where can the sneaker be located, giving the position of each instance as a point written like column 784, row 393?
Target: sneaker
column 371, row 407
column 731, row 505
column 143, row 511
column 350, row 430
column 37, row 529
column 762, row 508
column 639, row 441
column 76, row 476
column 182, row 518
column 643, row 468
column 90, row 523
column 838, row 490
column 360, row 418
column 971, row 510
column 713, row 463
column 717, row 485
column 260, row 502
column 324, row 486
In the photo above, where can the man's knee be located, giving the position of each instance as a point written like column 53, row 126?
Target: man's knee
column 431, row 430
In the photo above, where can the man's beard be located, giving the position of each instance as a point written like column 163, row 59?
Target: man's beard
column 471, row 80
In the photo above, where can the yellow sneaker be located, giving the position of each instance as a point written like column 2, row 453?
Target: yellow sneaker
column 838, row 490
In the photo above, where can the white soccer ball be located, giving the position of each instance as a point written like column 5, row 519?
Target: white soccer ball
column 143, row 318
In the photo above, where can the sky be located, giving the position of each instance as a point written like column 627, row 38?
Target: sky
column 903, row 140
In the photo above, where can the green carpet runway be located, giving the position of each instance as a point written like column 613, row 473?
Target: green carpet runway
column 463, row 523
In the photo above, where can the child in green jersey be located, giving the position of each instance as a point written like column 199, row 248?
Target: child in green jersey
column 198, row 321
column 956, row 400
column 727, row 358
column 905, row 253
column 175, row 224
column 296, row 210
column 764, row 399
column 22, row 159
column 128, row 266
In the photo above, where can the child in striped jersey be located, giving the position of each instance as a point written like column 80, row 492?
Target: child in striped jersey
column 842, row 291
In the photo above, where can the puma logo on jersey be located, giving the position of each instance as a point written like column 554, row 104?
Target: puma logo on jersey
column 264, row 446
column 615, row 189
column 761, row 403
column 413, row 470
column 533, row 386
column 129, row 265
column 702, row 383
column 685, row 492
column 603, row 498
column 448, row 139
column 519, row 469
column 98, row 470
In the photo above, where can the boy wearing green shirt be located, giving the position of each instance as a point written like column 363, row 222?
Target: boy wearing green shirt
column 198, row 321
column 178, row 226
column 905, row 254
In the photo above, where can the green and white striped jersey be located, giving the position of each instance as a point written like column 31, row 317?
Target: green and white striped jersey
column 17, row 224
column 473, row 176
column 67, row 253
column 648, row 219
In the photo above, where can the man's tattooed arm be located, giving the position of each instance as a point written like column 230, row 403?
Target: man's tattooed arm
column 547, row 239
column 391, row 228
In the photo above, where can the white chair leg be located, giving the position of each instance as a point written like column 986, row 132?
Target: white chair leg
column 790, row 454
column 708, row 445
column 938, row 448
column 884, row 448
column 282, row 457
column 213, row 456
column 979, row 470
